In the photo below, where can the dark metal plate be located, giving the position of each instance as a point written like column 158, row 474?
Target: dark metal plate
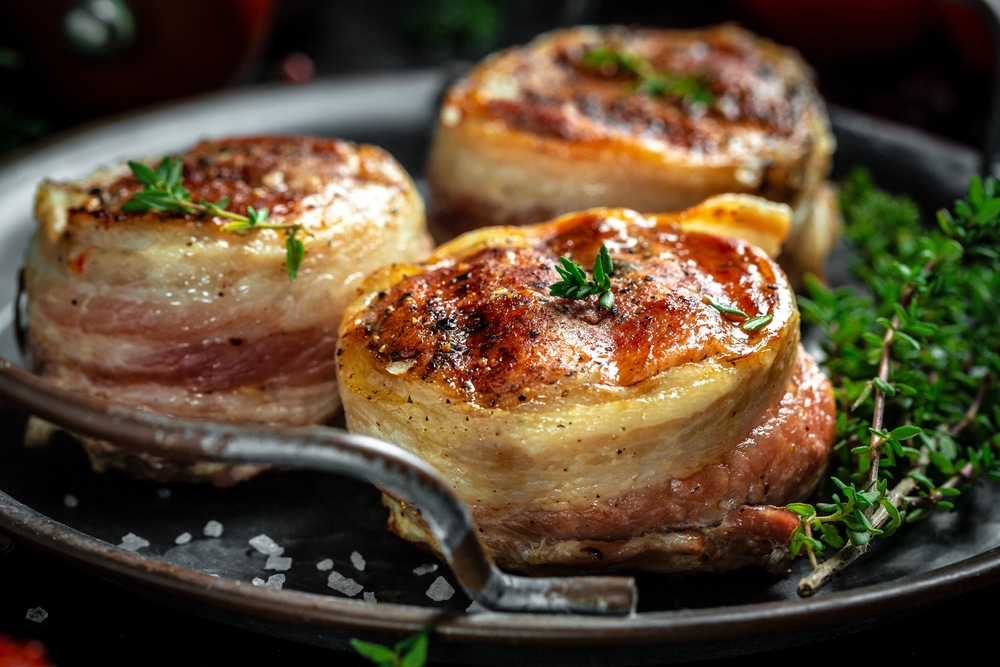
column 50, row 498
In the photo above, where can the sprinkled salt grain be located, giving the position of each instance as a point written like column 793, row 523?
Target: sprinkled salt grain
column 325, row 564
column 400, row 367
column 70, row 501
column 342, row 584
column 476, row 606
column 278, row 563
column 275, row 581
column 440, row 590
column 183, row 538
column 358, row 561
column 369, row 597
column 265, row 545
column 212, row 529
column 133, row 542
column 426, row 568
column 257, row 581
column 36, row 614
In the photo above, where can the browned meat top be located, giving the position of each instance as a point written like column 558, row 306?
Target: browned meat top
column 482, row 321
column 548, row 89
column 288, row 175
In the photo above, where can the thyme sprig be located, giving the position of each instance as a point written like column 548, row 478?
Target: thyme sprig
column 688, row 88
column 574, row 283
column 914, row 355
column 164, row 191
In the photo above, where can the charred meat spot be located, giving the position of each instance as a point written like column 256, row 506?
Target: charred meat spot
column 594, row 553
column 476, row 322
column 446, row 324
column 235, row 341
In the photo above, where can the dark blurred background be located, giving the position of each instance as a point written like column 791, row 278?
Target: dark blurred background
column 925, row 63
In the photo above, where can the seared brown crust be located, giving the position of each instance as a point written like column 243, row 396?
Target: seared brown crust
column 480, row 323
column 533, row 131
column 277, row 172
column 656, row 434
column 170, row 312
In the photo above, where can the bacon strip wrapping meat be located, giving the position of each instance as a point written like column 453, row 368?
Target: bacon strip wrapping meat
column 169, row 312
column 661, row 434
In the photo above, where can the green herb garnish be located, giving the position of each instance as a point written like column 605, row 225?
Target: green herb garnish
column 751, row 323
column 914, row 357
column 410, row 652
column 657, row 83
column 163, row 191
column 576, row 285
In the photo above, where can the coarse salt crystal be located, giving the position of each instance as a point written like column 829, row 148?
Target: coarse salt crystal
column 36, row 615
column 183, row 538
column 358, row 561
column 325, row 564
column 426, row 568
column 133, row 542
column 278, row 563
column 275, row 581
column 369, row 597
column 212, row 529
column 265, row 545
column 342, row 584
column 440, row 590
column 399, row 367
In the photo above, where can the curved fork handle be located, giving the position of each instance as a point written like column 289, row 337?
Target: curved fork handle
column 331, row 450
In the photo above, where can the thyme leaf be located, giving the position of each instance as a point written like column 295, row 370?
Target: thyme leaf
column 689, row 88
column 575, row 285
column 163, row 191
column 725, row 308
column 750, row 323
column 755, row 323
column 409, row 652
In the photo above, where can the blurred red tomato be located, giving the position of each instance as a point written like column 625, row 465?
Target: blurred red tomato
column 968, row 31
column 830, row 30
column 26, row 653
column 167, row 49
